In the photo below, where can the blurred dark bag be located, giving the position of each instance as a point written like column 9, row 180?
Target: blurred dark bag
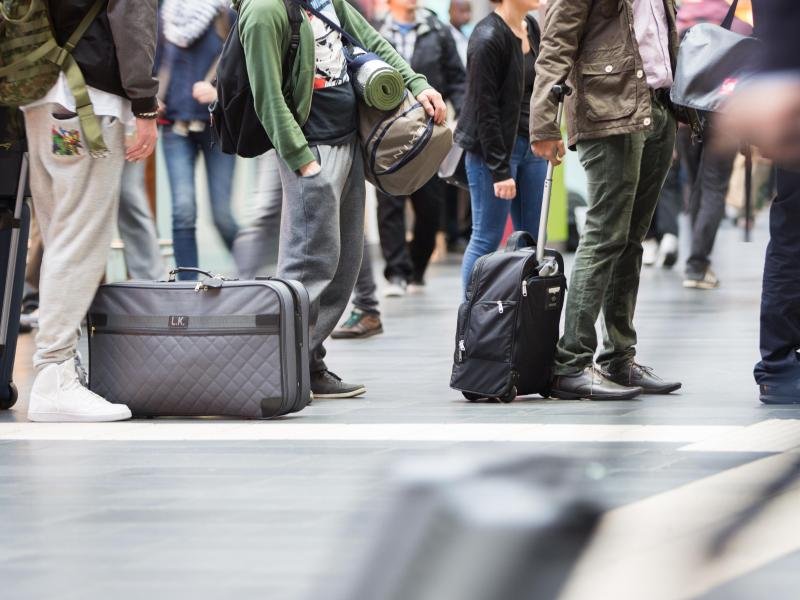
column 712, row 62
column 453, row 169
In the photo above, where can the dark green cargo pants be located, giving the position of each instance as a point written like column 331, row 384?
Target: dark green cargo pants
column 625, row 174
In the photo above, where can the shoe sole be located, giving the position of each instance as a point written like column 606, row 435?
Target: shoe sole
column 351, row 394
column 73, row 418
column 573, row 396
column 356, row 336
column 699, row 285
column 661, row 391
column 785, row 400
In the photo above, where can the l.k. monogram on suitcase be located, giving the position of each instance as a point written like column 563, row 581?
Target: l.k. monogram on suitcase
column 216, row 347
column 508, row 327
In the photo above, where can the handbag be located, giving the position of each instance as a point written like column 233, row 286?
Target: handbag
column 712, row 62
column 453, row 170
column 403, row 147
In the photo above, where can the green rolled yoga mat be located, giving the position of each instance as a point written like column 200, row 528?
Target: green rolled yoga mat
column 378, row 84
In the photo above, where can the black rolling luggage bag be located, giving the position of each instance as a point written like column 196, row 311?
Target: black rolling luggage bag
column 15, row 220
column 508, row 327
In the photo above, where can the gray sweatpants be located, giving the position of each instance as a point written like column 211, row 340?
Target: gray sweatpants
column 75, row 198
column 322, row 236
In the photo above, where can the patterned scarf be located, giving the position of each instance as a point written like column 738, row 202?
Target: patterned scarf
column 185, row 21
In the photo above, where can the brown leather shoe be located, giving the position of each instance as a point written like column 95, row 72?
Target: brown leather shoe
column 592, row 385
column 634, row 374
column 359, row 325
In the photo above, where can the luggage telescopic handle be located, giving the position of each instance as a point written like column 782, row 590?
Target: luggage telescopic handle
column 174, row 272
column 559, row 91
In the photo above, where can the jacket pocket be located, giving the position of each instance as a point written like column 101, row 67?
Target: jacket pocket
column 609, row 89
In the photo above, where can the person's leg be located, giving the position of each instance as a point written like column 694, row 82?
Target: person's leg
column 778, row 372
column 314, row 236
column 619, row 304
column 219, row 173
column 710, row 190
column 136, row 226
column 392, row 230
column 180, row 155
column 366, row 296
column 612, row 167
column 256, row 247
column 427, row 202
column 451, row 222
column 489, row 216
column 526, row 209
column 76, row 198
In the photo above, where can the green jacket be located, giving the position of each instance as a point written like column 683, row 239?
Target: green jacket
column 591, row 44
column 264, row 30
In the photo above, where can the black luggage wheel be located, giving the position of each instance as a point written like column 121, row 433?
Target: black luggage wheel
column 509, row 397
column 8, row 398
column 473, row 397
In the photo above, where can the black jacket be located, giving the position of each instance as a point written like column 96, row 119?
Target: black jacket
column 495, row 85
column 435, row 56
column 116, row 53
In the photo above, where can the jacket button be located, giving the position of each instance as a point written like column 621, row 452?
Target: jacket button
column 639, row 73
column 609, row 68
column 647, row 121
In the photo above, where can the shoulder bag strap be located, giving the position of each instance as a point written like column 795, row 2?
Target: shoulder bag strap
column 727, row 22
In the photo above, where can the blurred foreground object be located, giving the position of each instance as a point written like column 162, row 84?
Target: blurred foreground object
column 466, row 529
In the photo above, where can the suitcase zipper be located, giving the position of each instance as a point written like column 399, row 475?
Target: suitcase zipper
column 187, row 333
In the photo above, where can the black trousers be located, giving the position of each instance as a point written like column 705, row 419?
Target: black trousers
column 410, row 260
column 780, row 299
column 709, row 174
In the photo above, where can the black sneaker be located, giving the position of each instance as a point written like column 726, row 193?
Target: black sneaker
column 325, row 384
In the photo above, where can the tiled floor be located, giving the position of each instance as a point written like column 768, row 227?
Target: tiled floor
column 229, row 509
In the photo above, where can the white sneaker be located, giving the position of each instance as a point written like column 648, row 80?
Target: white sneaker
column 396, row 288
column 668, row 251
column 650, row 254
column 58, row 397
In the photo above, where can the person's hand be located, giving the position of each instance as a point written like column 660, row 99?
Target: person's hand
column 310, row 169
column 146, row 138
column 434, row 105
column 204, row 92
column 765, row 114
column 552, row 150
column 506, row 189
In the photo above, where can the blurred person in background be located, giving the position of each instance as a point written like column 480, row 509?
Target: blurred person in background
column 625, row 137
column 192, row 36
column 428, row 46
column 766, row 113
column 460, row 16
column 137, row 227
column 504, row 175
column 709, row 173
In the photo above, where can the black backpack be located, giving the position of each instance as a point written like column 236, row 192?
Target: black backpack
column 508, row 326
column 234, row 119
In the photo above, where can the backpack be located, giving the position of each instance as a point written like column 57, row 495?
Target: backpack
column 31, row 60
column 234, row 119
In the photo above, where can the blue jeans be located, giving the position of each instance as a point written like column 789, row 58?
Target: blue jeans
column 180, row 153
column 490, row 213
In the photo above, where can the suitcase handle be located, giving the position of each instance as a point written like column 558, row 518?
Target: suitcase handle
column 519, row 240
column 174, row 272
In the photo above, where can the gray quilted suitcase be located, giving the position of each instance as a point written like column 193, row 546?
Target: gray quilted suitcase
column 206, row 348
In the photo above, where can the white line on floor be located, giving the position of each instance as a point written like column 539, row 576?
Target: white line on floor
column 656, row 548
column 774, row 435
column 206, row 430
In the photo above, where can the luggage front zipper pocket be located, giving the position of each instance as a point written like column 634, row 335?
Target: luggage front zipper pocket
column 490, row 332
